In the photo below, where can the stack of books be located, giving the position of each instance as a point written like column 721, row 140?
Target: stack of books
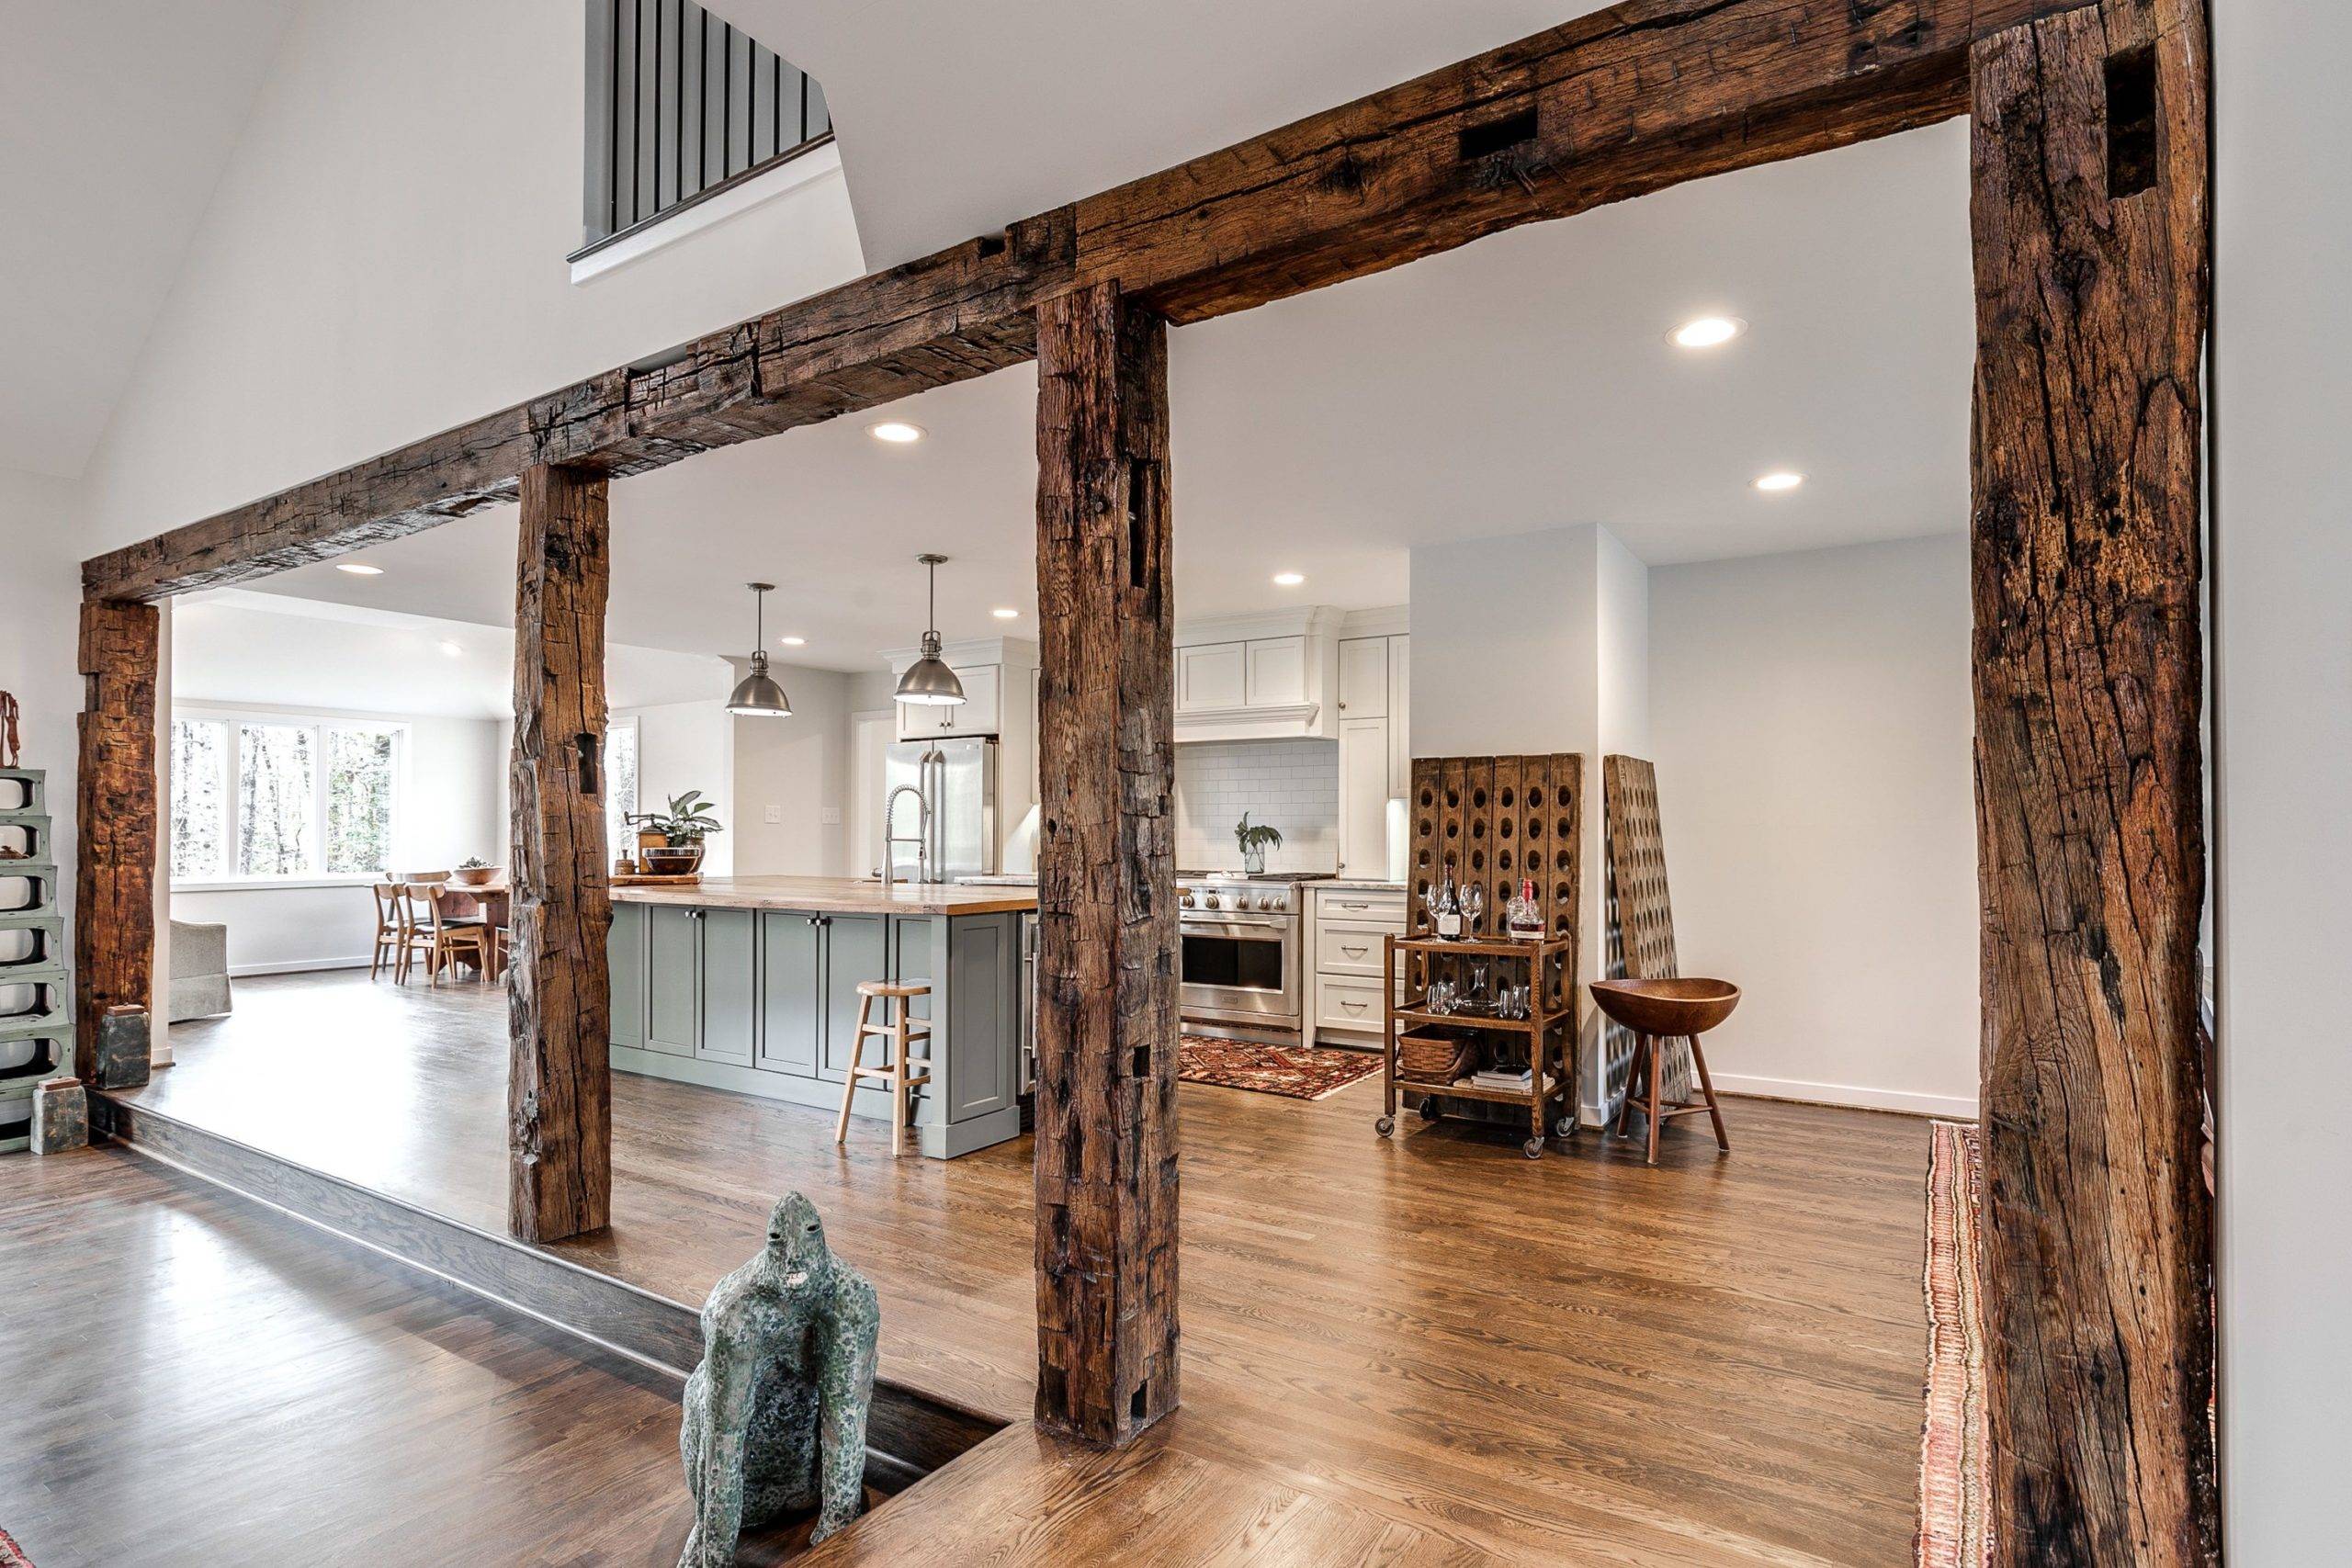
column 1519, row 1079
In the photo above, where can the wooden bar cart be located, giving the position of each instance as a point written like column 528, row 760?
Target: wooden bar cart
column 1546, row 1038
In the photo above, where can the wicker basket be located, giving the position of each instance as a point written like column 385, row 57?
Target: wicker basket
column 1432, row 1055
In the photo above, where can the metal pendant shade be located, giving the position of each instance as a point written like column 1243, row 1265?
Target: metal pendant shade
column 755, row 696
column 928, row 682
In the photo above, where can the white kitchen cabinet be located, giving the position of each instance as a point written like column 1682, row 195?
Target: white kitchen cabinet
column 1363, row 677
column 1364, row 797
column 1275, row 672
column 980, row 713
column 1351, row 928
column 1401, row 716
column 1211, row 675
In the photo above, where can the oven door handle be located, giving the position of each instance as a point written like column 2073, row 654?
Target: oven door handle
column 1216, row 924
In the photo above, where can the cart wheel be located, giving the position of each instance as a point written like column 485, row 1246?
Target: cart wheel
column 1429, row 1108
column 1565, row 1127
column 1533, row 1148
column 1385, row 1126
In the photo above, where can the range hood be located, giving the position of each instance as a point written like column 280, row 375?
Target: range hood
column 1259, row 677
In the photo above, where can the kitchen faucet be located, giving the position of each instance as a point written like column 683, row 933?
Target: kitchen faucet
column 891, row 840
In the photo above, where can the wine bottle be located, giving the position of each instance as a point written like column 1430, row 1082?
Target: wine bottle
column 1449, row 908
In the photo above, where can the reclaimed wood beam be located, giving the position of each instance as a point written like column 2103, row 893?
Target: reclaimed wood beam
column 116, row 801
column 1105, row 1149
column 2090, row 225
column 558, row 1087
column 945, row 318
column 1628, row 100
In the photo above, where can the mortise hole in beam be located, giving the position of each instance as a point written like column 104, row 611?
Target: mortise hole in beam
column 1139, row 542
column 1498, row 136
column 1136, row 1405
column 1142, row 1061
column 588, row 783
column 2130, row 121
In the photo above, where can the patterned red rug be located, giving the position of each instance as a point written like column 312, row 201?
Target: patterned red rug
column 1952, row 1447
column 1294, row 1072
column 11, row 1554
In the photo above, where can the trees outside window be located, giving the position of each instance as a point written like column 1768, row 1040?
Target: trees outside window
column 270, row 798
column 620, row 785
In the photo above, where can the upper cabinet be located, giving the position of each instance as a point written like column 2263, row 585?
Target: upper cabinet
column 1375, row 742
column 1364, row 678
column 988, row 669
column 980, row 712
column 1258, row 677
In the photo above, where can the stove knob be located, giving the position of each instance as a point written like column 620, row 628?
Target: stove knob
column 1184, row 899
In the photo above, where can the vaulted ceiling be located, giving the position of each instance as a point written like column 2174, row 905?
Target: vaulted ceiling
column 116, row 119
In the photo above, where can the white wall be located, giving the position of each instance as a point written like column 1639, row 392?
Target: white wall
column 452, row 805
column 683, row 746
column 39, row 565
column 1291, row 784
column 1812, row 728
column 2282, row 566
column 400, row 202
column 797, row 768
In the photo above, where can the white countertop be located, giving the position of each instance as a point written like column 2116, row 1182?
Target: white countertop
column 1359, row 883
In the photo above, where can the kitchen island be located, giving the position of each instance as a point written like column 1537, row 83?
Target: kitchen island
column 750, row 984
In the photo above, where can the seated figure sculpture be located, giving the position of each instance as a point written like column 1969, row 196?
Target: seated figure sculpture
column 775, row 1414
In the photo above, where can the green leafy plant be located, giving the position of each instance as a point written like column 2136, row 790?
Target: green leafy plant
column 1255, row 837
column 473, row 862
column 687, row 821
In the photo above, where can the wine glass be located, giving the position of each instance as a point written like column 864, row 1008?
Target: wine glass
column 1472, row 899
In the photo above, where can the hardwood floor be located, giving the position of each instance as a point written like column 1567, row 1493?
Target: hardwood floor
column 192, row 1378
column 1422, row 1348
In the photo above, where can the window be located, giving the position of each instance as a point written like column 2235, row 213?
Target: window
column 620, row 784
column 266, row 798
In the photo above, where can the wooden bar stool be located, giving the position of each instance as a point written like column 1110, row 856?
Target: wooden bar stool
column 901, row 1031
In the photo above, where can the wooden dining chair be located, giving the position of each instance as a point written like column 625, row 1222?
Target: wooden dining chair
column 389, row 926
column 455, row 934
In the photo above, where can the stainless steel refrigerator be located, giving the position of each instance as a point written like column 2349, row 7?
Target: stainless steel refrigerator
column 957, row 778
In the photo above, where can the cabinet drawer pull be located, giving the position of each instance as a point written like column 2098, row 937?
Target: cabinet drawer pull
column 1353, row 1007
column 1345, row 905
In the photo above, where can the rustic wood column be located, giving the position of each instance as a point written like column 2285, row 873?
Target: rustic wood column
column 558, row 1087
column 2089, row 215
column 114, row 819
column 1106, row 1023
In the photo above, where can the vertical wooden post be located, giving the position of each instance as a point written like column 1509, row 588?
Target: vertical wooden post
column 1106, row 1026
column 559, row 1091
column 2089, row 215
column 115, row 794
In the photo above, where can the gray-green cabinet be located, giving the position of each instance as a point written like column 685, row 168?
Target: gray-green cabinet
column 694, row 991
column 766, row 1002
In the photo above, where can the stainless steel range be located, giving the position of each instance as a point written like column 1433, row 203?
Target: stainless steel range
column 1242, row 957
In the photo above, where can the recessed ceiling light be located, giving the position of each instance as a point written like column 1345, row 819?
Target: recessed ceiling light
column 1780, row 479
column 1706, row 332
column 1288, row 579
column 897, row 432
column 452, row 649
column 359, row 569
column 1004, row 614
column 793, row 641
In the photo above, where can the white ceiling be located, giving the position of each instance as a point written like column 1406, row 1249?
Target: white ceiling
column 1520, row 383
column 957, row 118
column 267, row 650
column 116, row 119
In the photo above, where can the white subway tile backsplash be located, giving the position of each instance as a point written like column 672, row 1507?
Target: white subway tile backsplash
column 1292, row 784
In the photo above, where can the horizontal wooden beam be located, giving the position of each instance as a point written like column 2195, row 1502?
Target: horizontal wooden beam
column 1628, row 100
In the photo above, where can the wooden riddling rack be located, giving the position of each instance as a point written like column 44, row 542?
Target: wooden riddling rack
column 1640, row 909
column 1493, row 821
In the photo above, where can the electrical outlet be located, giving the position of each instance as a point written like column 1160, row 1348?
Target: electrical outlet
column 832, row 817
column 772, row 815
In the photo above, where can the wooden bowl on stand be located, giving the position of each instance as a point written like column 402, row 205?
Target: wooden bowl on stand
column 1657, row 1011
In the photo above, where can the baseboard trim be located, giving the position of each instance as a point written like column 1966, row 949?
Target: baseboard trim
column 1948, row 1107
column 300, row 966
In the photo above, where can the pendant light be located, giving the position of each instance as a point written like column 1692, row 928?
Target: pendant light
column 756, row 696
column 928, row 682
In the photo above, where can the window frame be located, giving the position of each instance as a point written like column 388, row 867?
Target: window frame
column 613, row 847
column 234, row 719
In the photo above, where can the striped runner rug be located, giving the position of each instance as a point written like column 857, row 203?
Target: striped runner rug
column 1952, row 1447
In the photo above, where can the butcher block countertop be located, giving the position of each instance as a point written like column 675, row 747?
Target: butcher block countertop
column 835, row 896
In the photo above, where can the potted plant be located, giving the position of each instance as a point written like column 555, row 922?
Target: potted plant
column 476, row 872
column 1255, row 839
column 668, row 842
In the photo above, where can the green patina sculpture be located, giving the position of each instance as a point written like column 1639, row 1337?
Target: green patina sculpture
column 775, row 1415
